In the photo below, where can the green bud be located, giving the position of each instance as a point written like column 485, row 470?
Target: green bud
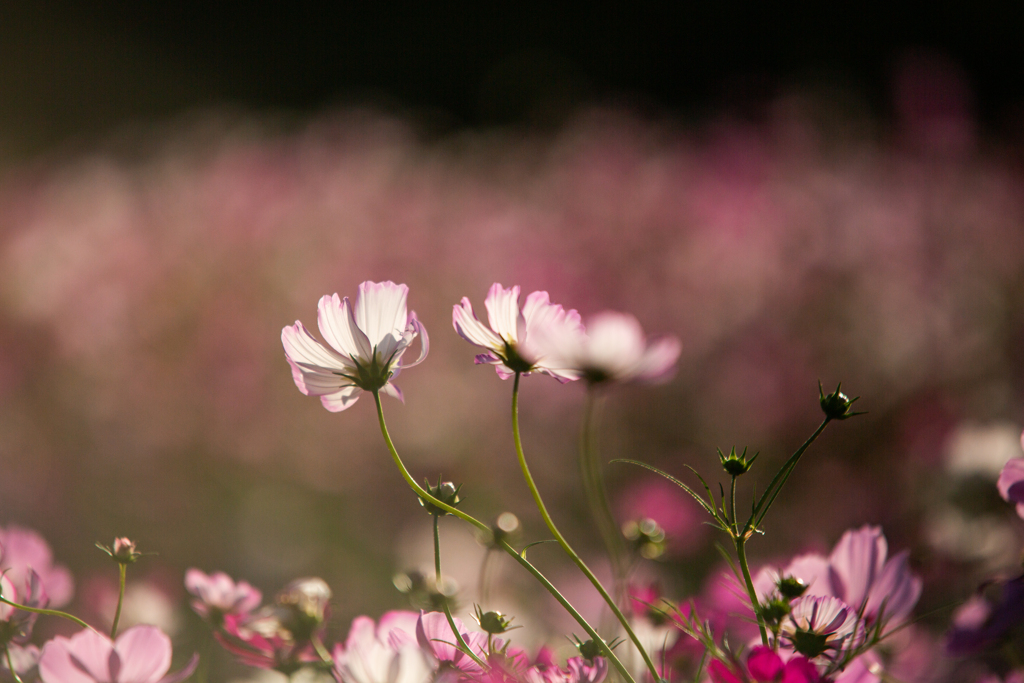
column 837, row 405
column 444, row 491
column 790, row 587
column 589, row 649
column 774, row 610
column 493, row 622
column 736, row 464
column 809, row 644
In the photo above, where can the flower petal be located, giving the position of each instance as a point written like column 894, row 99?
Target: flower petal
column 145, row 653
column 339, row 328
column 856, row 563
column 503, row 312
column 381, row 312
column 83, row 658
column 341, row 400
column 471, row 329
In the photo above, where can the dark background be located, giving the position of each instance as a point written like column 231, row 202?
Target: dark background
column 71, row 70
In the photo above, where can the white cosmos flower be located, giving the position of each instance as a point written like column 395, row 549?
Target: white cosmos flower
column 613, row 348
column 516, row 340
column 366, row 343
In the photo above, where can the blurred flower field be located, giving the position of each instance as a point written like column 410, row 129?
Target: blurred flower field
column 144, row 390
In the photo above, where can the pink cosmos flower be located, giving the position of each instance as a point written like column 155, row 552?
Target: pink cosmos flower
column 817, row 624
column 435, row 636
column 139, row 655
column 366, row 344
column 25, row 660
column 765, row 666
column 22, row 550
column 1011, row 483
column 517, row 341
column 613, row 348
column 262, row 641
column 16, row 624
column 217, row 594
column 383, row 653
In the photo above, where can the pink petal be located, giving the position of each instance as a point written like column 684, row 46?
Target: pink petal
column 1011, row 481
column 338, row 326
column 145, row 653
column 472, row 330
column 764, row 664
column 341, row 400
column 720, row 673
column 83, row 658
column 857, row 561
column 503, row 312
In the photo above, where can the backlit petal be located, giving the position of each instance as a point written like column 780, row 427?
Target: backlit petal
column 338, row 326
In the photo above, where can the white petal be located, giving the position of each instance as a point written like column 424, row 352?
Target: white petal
column 472, row 330
column 503, row 312
column 303, row 348
column 659, row 361
column 381, row 312
column 334, row 316
column 341, row 400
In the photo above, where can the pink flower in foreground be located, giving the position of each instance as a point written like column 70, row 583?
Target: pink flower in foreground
column 22, row 550
column 366, row 344
column 382, row 653
column 16, row 624
column 435, row 635
column 1011, row 483
column 217, row 594
column 139, row 655
column 613, row 348
column 516, row 341
column 765, row 666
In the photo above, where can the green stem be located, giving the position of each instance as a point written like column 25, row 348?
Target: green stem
column 10, row 665
column 504, row 545
column 47, row 612
column 122, row 570
column 561, row 539
column 741, row 554
column 592, row 474
column 444, row 599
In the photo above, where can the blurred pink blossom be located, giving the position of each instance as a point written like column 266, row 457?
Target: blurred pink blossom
column 217, row 594
column 23, row 550
column 141, row 654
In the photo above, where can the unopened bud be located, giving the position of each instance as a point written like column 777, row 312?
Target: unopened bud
column 305, row 603
column 444, row 491
column 123, row 550
column 493, row 622
column 736, row 464
column 589, row 649
column 774, row 610
column 791, row 587
column 837, row 405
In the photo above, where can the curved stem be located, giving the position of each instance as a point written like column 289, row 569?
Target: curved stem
column 504, row 545
column 770, row 493
column 122, row 569
column 10, row 665
column 444, row 600
column 561, row 539
column 47, row 612
column 592, row 474
column 741, row 554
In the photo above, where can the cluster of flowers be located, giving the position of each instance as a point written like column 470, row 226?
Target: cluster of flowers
column 820, row 619
column 402, row 646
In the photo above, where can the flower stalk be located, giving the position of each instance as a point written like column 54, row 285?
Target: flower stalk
column 503, row 544
column 577, row 560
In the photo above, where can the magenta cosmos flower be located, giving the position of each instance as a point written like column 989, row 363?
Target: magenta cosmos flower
column 139, row 655
column 613, row 348
column 517, row 341
column 765, row 666
column 366, row 344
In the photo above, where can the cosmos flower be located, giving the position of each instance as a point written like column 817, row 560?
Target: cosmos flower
column 382, row 653
column 139, row 655
column 517, row 341
column 435, row 636
column 217, row 594
column 817, row 624
column 613, row 348
column 366, row 344
column 22, row 550
column 16, row 624
column 765, row 666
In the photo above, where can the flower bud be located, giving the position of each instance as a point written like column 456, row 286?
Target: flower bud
column 736, row 464
column 791, row 587
column 444, row 491
column 304, row 603
column 493, row 622
column 836, row 405
column 123, row 550
column 809, row 643
column 589, row 649
column 774, row 610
